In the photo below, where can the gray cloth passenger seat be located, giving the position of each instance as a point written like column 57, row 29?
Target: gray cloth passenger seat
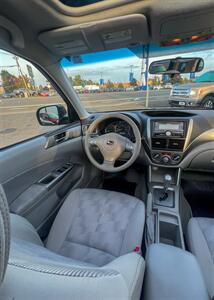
column 201, row 244
column 90, row 251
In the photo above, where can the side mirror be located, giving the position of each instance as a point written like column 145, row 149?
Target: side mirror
column 52, row 115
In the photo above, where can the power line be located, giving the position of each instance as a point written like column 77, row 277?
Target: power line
column 8, row 66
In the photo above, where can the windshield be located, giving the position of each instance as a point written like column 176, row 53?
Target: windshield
column 119, row 79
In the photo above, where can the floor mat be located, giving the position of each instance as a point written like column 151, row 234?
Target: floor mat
column 200, row 196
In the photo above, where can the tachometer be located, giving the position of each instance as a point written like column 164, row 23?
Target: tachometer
column 111, row 127
column 123, row 128
column 119, row 127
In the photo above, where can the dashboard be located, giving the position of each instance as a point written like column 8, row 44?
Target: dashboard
column 179, row 138
column 171, row 138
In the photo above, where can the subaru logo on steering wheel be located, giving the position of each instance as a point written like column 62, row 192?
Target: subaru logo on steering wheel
column 110, row 142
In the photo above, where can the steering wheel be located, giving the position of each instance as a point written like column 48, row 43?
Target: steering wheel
column 112, row 145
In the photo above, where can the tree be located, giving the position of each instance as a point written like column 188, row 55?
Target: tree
column 8, row 81
column 77, row 81
column 134, row 82
column 155, row 81
column 89, row 82
column 11, row 82
column 23, row 82
column 109, row 84
column 120, row 85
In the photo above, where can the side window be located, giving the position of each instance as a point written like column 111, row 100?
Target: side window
column 27, row 102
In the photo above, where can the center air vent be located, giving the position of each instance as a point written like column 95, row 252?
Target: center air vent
column 176, row 144
column 168, row 144
column 159, row 143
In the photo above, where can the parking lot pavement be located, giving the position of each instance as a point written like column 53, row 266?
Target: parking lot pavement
column 18, row 115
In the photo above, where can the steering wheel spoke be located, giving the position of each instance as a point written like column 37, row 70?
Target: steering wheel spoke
column 108, row 163
column 130, row 146
column 93, row 140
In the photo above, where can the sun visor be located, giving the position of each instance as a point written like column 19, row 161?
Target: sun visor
column 96, row 36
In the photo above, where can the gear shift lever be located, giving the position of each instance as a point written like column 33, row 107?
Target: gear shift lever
column 167, row 182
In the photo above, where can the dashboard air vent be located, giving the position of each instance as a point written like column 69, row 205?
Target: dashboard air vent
column 159, row 143
column 176, row 144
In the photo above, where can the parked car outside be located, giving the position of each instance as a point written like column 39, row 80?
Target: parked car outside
column 7, row 95
column 199, row 93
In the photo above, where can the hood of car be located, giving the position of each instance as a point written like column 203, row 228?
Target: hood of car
column 192, row 85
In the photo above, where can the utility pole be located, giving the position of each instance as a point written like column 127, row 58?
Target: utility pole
column 144, row 72
column 20, row 71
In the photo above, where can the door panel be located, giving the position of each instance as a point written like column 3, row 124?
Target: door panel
column 41, row 153
column 39, row 173
column 30, row 161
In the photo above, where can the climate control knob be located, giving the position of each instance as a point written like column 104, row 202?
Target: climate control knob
column 165, row 159
column 176, row 157
column 156, row 156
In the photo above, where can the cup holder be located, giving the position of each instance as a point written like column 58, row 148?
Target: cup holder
column 169, row 230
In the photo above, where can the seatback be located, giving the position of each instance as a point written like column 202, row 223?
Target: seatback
column 4, row 234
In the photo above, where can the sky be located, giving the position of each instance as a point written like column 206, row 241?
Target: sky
column 7, row 61
column 117, row 70
column 114, row 70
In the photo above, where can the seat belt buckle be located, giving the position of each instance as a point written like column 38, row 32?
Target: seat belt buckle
column 137, row 249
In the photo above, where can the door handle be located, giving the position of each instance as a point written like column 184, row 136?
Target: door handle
column 60, row 137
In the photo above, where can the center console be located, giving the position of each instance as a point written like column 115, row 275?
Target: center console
column 168, row 138
column 163, row 217
column 172, row 274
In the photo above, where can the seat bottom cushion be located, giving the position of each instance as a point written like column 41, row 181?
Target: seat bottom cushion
column 93, row 228
column 201, row 244
column 21, row 229
column 96, row 226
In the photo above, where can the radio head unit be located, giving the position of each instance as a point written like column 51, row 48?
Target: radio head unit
column 168, row 138
column 168, row 128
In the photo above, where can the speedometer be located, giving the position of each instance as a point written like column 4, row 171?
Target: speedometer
column 121, row 128
column 111, row 127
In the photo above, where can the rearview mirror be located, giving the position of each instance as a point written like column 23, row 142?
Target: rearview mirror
column 177, row 65
column 52, row 115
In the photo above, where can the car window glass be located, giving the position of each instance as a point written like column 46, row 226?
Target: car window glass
column 23, row 90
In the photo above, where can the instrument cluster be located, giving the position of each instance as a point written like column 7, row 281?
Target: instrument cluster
column 120, row 127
